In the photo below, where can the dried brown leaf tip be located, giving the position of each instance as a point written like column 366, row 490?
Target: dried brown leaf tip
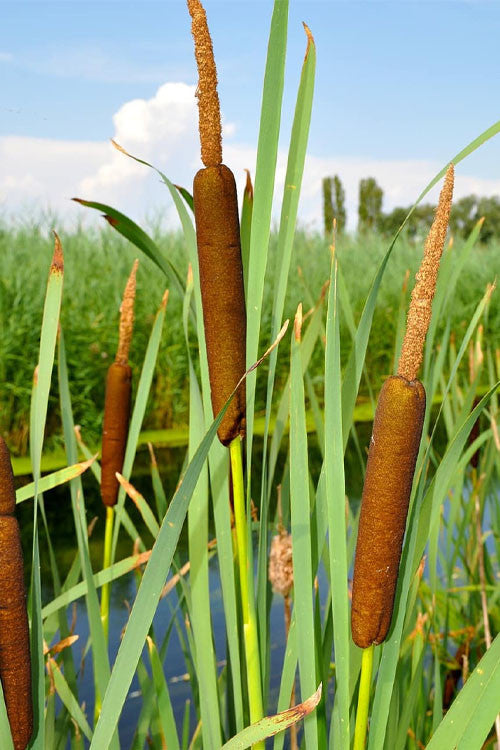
column 297, row 325
column 57, row 265
column 208, row 98
column 127, row 318
column 419, row 314
column 249, row 186
column 310, row 39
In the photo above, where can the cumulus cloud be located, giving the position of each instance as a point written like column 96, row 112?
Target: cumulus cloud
column 164, row 131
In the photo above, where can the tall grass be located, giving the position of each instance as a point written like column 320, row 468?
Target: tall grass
column 345, row 339
column 90, row 312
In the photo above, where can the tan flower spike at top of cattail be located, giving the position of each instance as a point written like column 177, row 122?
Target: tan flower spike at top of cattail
column 117, row 400
column 394, row 446
column 15, row 663
column 219, row 249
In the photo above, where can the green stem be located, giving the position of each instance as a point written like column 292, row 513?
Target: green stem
column 108, row 536
column 246, row 588
column 363, row 698
column 106, row 562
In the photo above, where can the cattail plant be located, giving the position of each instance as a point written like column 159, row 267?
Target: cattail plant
column 115, row 424
column 219, row 249
column 394, row 446
column 224, row 316
column 15, row 663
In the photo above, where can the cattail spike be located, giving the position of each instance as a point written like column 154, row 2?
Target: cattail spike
column 208, row 99
column 127, row 318
column 419, row 314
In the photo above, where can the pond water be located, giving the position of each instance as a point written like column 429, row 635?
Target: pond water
column 123, row 591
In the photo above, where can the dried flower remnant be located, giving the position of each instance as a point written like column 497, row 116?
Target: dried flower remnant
column 280, row 563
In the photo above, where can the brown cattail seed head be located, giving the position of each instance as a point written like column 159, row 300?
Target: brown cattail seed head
column 419, row 314
column 222, row 292
column 208, row 98
column 15, row 663
column 280, row 563
column 7, row 490
column 115, row 429
column 394, row 445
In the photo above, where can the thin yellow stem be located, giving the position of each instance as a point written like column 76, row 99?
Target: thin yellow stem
column 363, row 698
column 246, row 589
column 108, row 536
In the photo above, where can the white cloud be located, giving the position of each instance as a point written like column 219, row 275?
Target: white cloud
column 164, row 131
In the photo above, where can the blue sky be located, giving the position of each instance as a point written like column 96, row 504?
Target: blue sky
column 401, row 87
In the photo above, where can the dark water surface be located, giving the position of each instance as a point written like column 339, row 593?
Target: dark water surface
column 123, row 591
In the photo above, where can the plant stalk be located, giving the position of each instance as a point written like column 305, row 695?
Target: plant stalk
column 363, row 698
column 246, row 589
column 108, row 536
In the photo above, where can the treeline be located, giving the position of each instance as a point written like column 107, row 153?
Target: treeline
column 371, row 218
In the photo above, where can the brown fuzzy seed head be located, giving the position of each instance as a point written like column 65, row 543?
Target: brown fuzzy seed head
column 115, row 429
column 222, row 292
column 419, row 314
column 208, row 98
column 280, row 563
column 7, row 489
column 15, row 662
column 127, row 318
column 394, row 445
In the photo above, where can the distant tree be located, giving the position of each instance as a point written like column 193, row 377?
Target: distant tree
column 468, row 210
column 370, row 205
column 416, row 227
column 327, row 205
column 490, row 209
column 464, row 215
column 339, row 211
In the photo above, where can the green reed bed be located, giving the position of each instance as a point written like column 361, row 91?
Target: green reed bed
column 90, row 313
column 436, row 678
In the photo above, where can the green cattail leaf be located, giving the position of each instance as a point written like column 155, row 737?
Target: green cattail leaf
column 5, row 734
column 288, row 673
column 38, row 416
column 140, row 403
column 267, row 152
column 69, row 700
column 301, row 533
column 335, row 501
column 200, row 615
column 473, row 712
column 246, row 227
column 50, row 481
column 186, row 195
column 272, row 724
column 138, row 237
column 289, row 206
column 74, row 592
column 163, row 697
column 99, row 650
